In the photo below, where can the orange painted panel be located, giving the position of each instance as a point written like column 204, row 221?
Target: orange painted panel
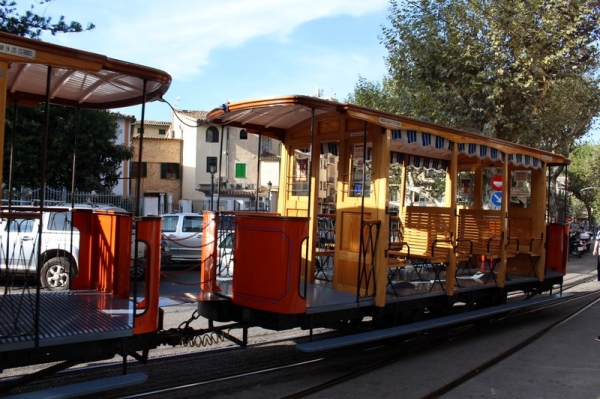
column 268, row 257
column 557, row 247
column 149, row 231
column 82, row 221
column 208, row 267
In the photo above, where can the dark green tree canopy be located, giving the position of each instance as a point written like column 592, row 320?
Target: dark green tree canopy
column 499, row 67
column 33, row 25
column 98, row 155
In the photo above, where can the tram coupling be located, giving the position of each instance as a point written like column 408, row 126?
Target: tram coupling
column 200, row 338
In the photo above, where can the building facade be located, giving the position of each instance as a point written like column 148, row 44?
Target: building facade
column 160, row 168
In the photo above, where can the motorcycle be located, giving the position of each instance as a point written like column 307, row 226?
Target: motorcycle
column 576, row 248
column 586, row 240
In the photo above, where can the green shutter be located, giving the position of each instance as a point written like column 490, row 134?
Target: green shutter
column 163, row 170
column 240, row 170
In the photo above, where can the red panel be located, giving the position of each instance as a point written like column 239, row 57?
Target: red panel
column 557, row 247
column 82, row 221
column 267, row 253
column 208, row 267
column 122, row 277
column 146, row 320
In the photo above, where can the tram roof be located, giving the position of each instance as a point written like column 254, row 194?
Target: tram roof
column 78, row 78
column 274, row 116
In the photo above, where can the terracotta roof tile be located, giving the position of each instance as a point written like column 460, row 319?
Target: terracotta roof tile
column 193, row 114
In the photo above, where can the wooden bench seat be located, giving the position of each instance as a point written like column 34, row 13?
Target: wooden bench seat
column 534, row 251
column 482, row 229
column 424, row 237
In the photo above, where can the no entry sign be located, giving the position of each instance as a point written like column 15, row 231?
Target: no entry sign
column 497, row 182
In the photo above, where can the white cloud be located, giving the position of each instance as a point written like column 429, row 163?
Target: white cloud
column 234, row 49
column 179, row 35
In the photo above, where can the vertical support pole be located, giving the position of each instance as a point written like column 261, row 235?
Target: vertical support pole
column 504, row 221
column 452, row 179
column 3, row 88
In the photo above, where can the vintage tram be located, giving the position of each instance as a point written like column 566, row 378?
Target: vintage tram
column 381, row 253
column 391, row 258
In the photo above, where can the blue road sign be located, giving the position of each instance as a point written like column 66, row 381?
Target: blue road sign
column 496, row 198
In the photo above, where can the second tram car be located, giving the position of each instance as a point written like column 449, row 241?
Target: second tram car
column 380, row 255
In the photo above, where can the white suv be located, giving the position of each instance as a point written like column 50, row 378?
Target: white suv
column 58, row 247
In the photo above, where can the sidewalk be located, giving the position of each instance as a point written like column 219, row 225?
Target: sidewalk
column 564, row 363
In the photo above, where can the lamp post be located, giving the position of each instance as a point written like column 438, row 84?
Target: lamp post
column 269, row 186
column 212, row 169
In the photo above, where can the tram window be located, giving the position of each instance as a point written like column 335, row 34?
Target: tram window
column 425, row 187
column 300, row 174
column 520, row 189
column 492, row 190
column 465, row 188
column 361, row 165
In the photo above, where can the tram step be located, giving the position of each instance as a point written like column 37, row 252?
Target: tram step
column 375, row 335
column 85, row 388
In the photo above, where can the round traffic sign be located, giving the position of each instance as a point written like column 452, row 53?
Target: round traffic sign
column 496, row 198
column 497, row 182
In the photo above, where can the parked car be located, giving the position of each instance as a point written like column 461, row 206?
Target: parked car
column 140, row 271
column 59, row 247
column 183, row 233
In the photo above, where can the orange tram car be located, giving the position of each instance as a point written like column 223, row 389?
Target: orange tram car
column 353, row 239
column 389, row 254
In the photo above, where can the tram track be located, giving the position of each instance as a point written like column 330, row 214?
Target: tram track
column 354, row 363
column 332, row 360
column 287, row 360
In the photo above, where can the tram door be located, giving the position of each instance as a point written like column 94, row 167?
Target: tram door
column 361, row 194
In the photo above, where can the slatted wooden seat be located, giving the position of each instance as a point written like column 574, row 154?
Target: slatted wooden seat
column 534, row 251
column 483, row 230
column 425, row 238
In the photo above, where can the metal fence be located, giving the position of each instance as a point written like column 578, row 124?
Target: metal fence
column 55, row 197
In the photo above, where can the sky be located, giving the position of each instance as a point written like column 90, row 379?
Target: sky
column 232, row 50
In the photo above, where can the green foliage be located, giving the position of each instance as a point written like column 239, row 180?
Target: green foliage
column 521, row 71
column 98, row 154
column 584, row 177
column 33, row 25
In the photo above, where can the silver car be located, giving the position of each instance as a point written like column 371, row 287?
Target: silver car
column 183, row 233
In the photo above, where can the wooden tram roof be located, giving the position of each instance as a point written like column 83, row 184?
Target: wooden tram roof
column 274, row 116
column 79, row 78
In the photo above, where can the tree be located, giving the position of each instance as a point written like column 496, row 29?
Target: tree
column 583, row 179
column 490, row 66
column 32, row 25
column 98, row 155
column 525, row 71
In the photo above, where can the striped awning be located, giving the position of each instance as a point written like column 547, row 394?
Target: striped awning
column 444, row 146
column 413, row 137
column 420, row 162
column 423, row 139
column 481, row 151
column 525, row 160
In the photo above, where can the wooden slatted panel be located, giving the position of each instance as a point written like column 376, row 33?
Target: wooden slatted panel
column 426, row 231
column 484, row 229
